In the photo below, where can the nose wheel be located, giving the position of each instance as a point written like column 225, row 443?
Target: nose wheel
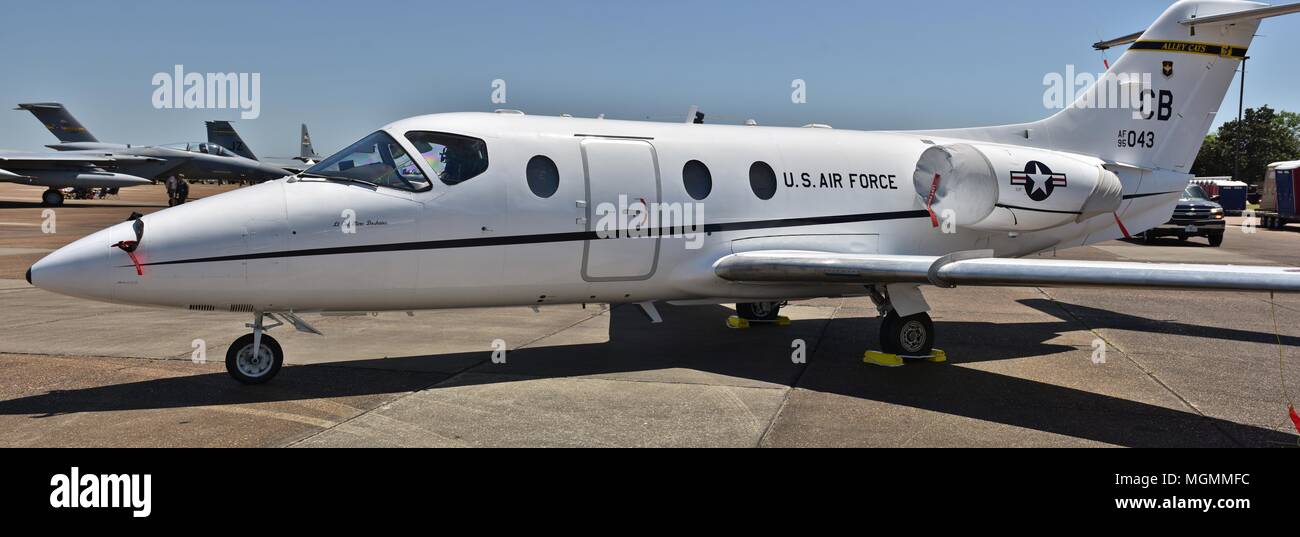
column 255, row 358
column 254, row 367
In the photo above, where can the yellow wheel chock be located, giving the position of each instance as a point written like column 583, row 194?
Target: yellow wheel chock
column 739, row 323
column 893, row 360
column 882, row 359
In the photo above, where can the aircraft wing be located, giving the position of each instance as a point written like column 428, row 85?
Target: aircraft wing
column 981, row 269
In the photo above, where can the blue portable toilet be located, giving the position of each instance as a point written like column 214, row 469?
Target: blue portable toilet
column 1228, row 193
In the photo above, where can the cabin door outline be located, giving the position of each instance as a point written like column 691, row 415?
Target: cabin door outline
column 614, row 167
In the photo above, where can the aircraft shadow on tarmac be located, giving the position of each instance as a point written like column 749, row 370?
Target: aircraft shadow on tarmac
column 758, row 356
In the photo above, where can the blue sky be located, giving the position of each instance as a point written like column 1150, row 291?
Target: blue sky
column 346, row 68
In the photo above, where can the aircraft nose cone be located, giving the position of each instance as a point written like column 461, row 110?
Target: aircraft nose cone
column 79, row 269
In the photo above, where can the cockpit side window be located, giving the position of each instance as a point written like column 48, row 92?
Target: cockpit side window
column 452, row 157
column 377, row 159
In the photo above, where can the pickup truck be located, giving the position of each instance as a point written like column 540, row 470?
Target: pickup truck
column 1195, row 216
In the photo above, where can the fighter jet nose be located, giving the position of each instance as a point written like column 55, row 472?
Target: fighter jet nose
column 79, row 269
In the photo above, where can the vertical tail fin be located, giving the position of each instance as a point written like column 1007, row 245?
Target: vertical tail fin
column 1155, row 105
column 223, row 134
column 305, row 151
column 59, row 121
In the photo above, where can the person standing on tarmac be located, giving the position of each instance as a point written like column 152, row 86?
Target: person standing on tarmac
column 170, row 183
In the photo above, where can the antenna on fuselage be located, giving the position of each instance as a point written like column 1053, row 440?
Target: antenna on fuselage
column 693, row 115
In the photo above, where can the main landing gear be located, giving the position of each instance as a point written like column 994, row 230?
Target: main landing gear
column 903, row 336
column 757, row 312
column 256, row 358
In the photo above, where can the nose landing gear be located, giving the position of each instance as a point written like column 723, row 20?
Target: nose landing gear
column 249, row 367
column 256, row 358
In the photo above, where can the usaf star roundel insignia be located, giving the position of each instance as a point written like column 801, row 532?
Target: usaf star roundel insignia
column 1038, row 180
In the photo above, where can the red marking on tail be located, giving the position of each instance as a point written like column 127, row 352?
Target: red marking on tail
column 1122, row 229
column 929, row 200
column 1295, row 418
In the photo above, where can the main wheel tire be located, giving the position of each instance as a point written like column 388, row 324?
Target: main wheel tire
column 887, row 343
column 1216, row 240
column 758, row 311
column 1148, row 238
column 248, row 368
column 907, row 336
column 52, row 198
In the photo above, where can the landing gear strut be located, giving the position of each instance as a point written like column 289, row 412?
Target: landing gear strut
column 911, row 336
column 255, row 358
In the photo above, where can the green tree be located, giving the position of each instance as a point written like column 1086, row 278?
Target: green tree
column 1262, row 137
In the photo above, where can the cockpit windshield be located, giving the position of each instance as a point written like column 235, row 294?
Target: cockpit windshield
column 201, row 147
column 375, row 159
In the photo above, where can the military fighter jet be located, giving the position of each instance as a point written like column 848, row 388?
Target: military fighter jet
column 82, row 161
column 223, row 134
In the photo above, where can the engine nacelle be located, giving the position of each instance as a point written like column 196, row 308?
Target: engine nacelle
column 1013, row 189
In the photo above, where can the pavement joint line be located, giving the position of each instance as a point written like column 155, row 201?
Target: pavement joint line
column 39, row 323
column 638, row 381
column 1279, row 306
column 785, row 399
column 437, row 383
column 1145, row 370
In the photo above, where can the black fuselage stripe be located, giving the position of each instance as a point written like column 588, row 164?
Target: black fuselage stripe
column 575, row 236
column 1037, row 210
column 1153, row 194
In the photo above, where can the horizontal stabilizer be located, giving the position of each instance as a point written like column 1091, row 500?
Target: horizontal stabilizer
column 1254, row 14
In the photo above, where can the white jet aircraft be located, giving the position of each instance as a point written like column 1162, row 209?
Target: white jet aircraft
column 481, row 209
